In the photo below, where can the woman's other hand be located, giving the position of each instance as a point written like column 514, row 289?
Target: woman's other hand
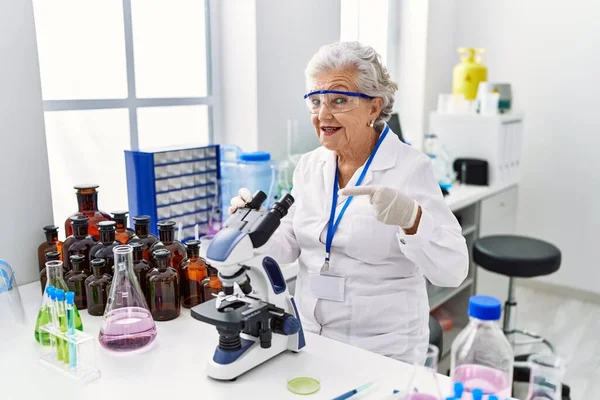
column 244, row 197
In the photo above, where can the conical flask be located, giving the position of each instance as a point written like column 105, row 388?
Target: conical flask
column 54, row 272
column 428, row 387
column 127, row 324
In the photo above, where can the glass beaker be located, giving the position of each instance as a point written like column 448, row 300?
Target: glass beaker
column 426, row 375
column 127, row 324
column 54, row 272
column 545, row 380
column 11, row 307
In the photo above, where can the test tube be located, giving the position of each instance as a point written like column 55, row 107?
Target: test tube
column 50, row 293
column 56, row 323
column 62, row 322
column 70, row 309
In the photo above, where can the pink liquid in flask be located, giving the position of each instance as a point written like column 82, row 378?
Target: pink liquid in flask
column 421, row 396
column 127, row 329
column 490, row 380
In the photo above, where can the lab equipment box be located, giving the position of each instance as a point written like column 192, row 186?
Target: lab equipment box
column 495, row 139
column 175, row 184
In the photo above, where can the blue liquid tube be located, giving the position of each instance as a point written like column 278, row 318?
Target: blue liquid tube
column 70, row 309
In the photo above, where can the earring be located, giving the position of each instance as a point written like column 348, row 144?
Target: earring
column 371, row 124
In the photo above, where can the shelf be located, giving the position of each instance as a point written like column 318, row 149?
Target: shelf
column 468, row 230
column 448, row 338
column 439, row 295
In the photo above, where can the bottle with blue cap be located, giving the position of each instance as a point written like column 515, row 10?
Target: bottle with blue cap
column 482, row 359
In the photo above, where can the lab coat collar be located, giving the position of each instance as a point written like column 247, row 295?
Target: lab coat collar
column 384, row 159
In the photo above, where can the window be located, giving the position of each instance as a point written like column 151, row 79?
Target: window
column 366, row 21
column 117, row 75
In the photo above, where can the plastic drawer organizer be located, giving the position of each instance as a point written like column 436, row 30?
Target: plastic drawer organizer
column 180, row 185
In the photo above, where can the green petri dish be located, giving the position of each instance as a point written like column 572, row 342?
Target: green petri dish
column 304, row 385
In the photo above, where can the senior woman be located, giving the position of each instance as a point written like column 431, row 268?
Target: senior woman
column 369, row 223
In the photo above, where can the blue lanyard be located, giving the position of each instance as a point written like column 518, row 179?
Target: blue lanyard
column 332, row 226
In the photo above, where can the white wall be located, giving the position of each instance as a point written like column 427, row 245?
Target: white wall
column 263, row 82
column 25, row 200
column 548, row 51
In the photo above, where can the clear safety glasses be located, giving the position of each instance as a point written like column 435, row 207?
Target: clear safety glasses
column 336, row 101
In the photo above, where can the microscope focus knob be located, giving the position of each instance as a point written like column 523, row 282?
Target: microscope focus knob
column 286, row 325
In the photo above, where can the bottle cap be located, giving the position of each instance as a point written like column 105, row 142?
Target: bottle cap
column 137, row 246
column 492, row 397
column 98, row 262
column 161, row 254
column 50, row 291
column 70, row 297
column 119, row 213
column 166, row 226
column 485, row 308
column 77, row 258
column 51, row 229
column 107, row 225
column 52, row 256
column 477, row 394
column 86, row 186
column 459, row 388
column 79, row 220
column 141, row 219
column 192, row 244
column 256, row 156
column 60, row 295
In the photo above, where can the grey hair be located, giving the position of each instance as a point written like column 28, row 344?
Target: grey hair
column 373, row 78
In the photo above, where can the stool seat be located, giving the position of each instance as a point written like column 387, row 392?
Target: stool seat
column 516, row 256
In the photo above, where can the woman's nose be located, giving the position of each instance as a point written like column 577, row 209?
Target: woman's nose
column 324, row 113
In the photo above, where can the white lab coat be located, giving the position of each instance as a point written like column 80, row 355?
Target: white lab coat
column 385, row 309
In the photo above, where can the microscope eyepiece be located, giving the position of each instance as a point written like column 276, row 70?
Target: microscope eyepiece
column 283, row 205
column 258, row 198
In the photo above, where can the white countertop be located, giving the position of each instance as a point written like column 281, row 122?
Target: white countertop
column 174, row 368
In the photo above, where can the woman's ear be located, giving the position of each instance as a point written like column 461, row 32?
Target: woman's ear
column 376, row 107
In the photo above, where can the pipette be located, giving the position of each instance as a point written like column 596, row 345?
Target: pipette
column 353, row 391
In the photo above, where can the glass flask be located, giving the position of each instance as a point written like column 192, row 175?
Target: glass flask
column 97, row 287
column 55, row 278
column 87, row 200
column 426, row 376
column 75, row 279
column 127, row 325
column 50, row 244
column 11, row 305
column 104, row 248
column 545, row 380
column 80, row 242
column 123, row 234
column 141, row 268
column 50, row 256
column 163, row 288
column 143, row 235
column 212, row 284
column 193, row 271
column 166, row 235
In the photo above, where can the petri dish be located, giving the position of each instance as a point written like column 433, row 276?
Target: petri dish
column 303, row 385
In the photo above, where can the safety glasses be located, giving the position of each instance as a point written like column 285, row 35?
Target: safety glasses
column 336, row 101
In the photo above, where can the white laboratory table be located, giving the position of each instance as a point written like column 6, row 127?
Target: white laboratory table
column 174, row 368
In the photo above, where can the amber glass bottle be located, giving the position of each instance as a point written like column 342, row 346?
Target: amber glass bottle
column 87, row 200
column 166, row 236
column 123, row 233
column 75, row 279
column 141, row 267
column 104, row 248
column 163, row 288
column 50, row 256
column 192, row 272
column 50, row 244
column 79, row 243
column 97, row 287
column 143, row 235
column 212, row 284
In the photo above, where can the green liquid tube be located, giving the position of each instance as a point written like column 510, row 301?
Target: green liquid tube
column 63, row 325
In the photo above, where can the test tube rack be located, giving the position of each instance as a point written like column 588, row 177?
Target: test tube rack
column 84, row 368
column 180, row 185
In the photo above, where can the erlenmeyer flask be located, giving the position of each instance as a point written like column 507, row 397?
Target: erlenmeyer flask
column 54, row 272
column 426, row 375
column 127, row 324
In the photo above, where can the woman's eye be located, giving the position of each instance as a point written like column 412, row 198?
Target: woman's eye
column 315, row 102
column 340, row 100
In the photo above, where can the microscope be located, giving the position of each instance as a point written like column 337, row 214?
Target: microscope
column 254, row 314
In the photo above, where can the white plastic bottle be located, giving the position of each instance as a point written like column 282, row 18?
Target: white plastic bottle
column 482, row 358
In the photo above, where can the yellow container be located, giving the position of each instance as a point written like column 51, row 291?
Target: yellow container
column 468, row 73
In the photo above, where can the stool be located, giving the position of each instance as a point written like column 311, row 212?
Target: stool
column 516, row 257
column 436, row 335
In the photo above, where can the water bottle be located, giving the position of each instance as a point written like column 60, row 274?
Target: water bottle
column 481, row 357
